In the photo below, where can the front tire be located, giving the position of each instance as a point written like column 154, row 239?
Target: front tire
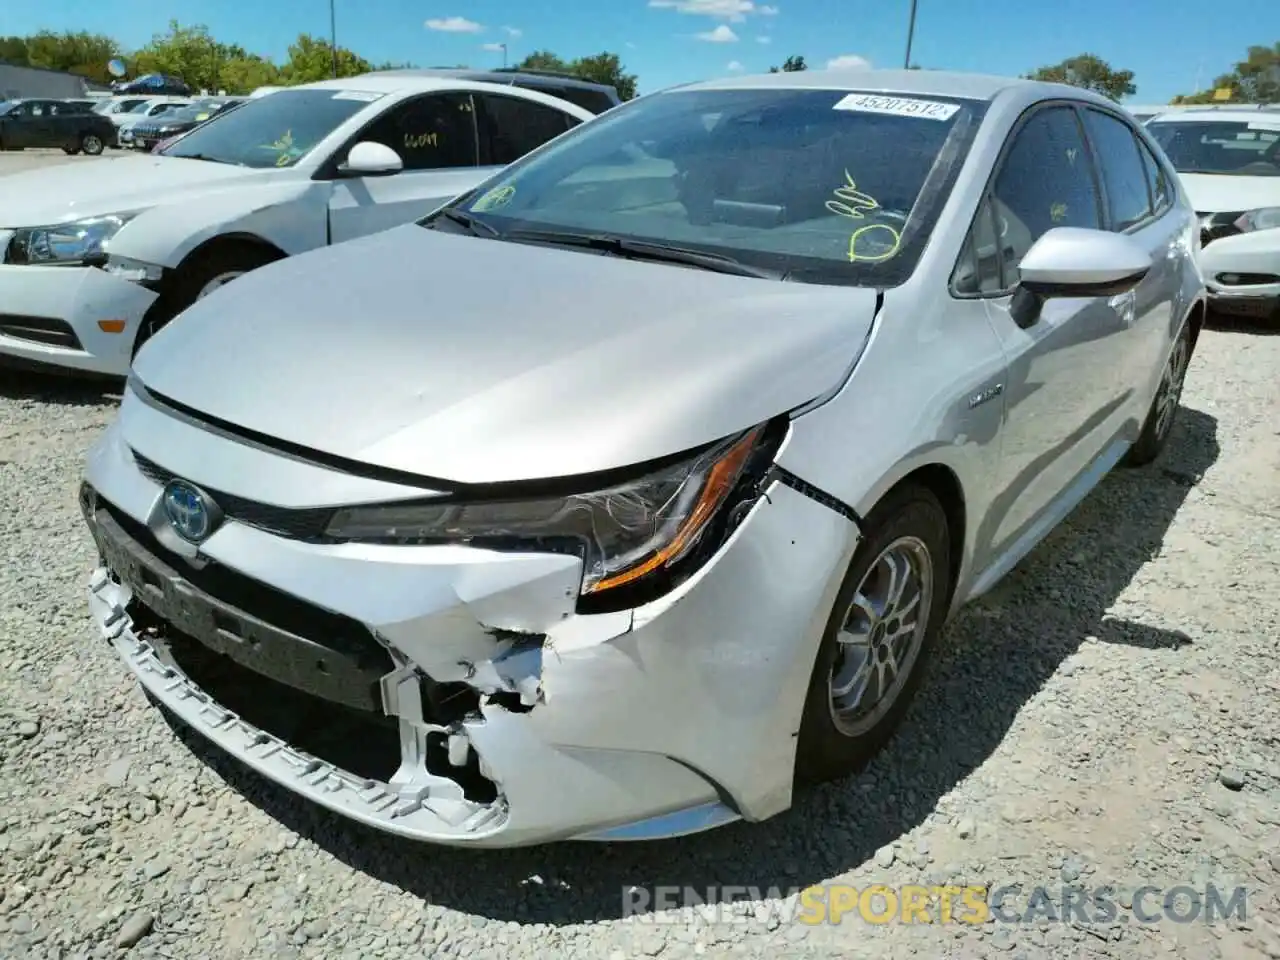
column 887, row 616
column 1164, row 408
column 218, row 267
column 92, row 144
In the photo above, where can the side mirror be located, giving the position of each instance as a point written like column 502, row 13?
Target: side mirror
column 1077, row 262
column 369, row 159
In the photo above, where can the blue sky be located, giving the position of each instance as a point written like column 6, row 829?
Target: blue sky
column 1167, row 43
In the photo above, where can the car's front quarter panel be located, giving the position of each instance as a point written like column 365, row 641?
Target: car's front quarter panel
column 926, row 393
column 286, row 210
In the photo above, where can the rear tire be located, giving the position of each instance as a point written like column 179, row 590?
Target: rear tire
column 218, row 267
column 91, row 144
column 1164, row 408
column 905, row 553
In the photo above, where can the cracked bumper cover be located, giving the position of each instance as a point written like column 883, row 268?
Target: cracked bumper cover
column 663, row 720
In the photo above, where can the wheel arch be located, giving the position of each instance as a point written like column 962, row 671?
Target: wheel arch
column 944, row 483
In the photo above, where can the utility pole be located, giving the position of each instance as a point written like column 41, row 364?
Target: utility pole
column 911, row 32
column 333, row 39
column 504, row 56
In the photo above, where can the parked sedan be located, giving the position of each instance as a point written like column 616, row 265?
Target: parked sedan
column 53, row 123
column 149, row 134
column 639, row 482
column 92, row 262
column 1229, row 162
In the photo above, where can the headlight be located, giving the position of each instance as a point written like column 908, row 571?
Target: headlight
column 623, row 533
column 64, row 242
column 1264, row 218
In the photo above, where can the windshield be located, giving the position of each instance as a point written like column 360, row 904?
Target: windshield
column 822, row 186
column 1243, row 148
column 274, row 131
column 6, row 107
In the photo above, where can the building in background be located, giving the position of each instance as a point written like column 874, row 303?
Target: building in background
column 35, row 82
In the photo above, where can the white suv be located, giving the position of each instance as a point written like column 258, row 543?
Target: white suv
column 94, row 258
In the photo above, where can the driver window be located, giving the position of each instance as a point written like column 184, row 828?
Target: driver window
column 37, row 109
column 1046, row 181
column 434, row 132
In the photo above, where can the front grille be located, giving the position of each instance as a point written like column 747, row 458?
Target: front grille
column 253, row 598
column 306, row 523
column 55, row 333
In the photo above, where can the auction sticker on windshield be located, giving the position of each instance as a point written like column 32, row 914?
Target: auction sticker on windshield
column 897, row 106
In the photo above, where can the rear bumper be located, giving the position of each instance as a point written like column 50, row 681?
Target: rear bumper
column 658, row 721
column 54, row 316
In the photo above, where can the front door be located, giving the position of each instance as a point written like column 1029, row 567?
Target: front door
column 436, row 137
column 1065, row 391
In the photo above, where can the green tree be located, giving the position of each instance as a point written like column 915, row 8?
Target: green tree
column 793, row 64
column 189, row 53
column 78, row 52
column 1255, row 79
column 311, row 59
column 604, row 68
column 247, row 73
column 1090, row 72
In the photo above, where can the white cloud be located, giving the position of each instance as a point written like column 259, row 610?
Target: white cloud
column 767, row 11
column 735, row 66
column 721, row 34
column 629, row 45
column 734, row 11
column 513, row 31
column 454, row 25
column 764, row 40
column 493, row 47
column 849, row 61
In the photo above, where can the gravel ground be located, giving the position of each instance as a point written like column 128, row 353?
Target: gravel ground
column 1109, row 716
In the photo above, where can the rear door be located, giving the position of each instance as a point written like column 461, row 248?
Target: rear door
column 436, row 136
column 1065, row 388
column 511, row 126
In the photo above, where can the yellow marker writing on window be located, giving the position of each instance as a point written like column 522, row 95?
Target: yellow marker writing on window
column 850, row 201
column 1058, row 212
column 414, row 141
column 497, row 197
column 853, row 203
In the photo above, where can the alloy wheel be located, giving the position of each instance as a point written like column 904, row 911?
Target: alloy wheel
column 881, row 636
column 1175, row 373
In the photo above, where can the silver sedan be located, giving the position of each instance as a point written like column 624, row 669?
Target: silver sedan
column 634, row 487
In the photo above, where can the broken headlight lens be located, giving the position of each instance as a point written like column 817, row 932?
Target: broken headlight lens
column 623, row 533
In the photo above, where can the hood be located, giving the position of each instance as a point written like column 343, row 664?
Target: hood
column 70, row 191
column 478, row 361
column 1215, row 193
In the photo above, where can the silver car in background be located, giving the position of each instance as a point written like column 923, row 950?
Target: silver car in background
column 635, row 486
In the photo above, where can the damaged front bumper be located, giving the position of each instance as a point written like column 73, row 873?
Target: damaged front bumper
column 511, row 718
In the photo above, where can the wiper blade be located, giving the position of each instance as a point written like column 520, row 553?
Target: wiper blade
column 478, row 227
column 203, row 156
column 652, row 251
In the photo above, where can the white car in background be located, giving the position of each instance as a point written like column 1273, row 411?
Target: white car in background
column 95, row 258
column 1229, row 163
